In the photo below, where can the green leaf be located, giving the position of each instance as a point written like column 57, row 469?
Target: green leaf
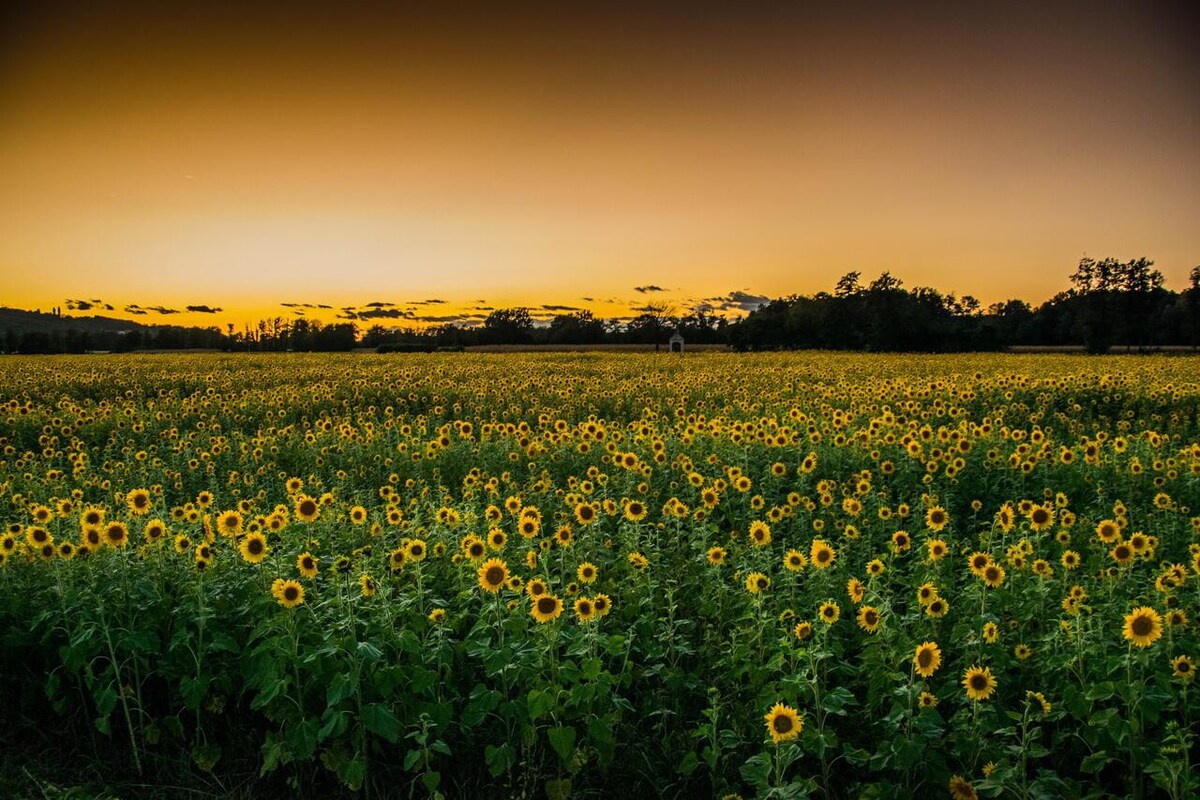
column 541, row 702
column 380, row 721
column 431, row 781
column 1095, row 762
column 499, row 759
column 562, row 739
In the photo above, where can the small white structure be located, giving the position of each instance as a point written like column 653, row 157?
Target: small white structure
column 676, row 342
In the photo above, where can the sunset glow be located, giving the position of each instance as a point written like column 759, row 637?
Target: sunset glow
column 241, row 158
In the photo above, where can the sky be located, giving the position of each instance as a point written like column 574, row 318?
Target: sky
column 243, row 156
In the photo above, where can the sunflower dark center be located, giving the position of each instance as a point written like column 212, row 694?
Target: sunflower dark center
column 546, row 605
column 978, row 682
column 924, row 659
column 291, row 593
column 871, row 617
column 782, row 724
column 255, row 547
column 308, row 508
column 1142, row 626
column 494, row 575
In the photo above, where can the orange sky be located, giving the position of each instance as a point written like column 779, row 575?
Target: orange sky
column 174, row 154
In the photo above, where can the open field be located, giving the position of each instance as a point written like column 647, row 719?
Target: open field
column 600, row 574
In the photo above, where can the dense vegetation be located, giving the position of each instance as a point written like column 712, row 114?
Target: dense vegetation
column 619, row 575
column 1110, row 304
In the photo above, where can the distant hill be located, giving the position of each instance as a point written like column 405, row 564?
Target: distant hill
column 37, row 332
column 22, row 321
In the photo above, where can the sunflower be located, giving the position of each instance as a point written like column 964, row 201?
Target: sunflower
column 229, row 523
column 856, row 590
column 937, row 549
column 358, row 515
column 396, row 559
column 366, row 585
column 927, row 659
column 92, row 517
column 1183, row 668
column 1040, row 518
column 991, row 632
column 416, row 550
column 585, row 513
column 493, row 574
column 821, row 554
column 66, row 551
column 829, row 612
column 306, row 563
column 936, row 518
column 783, row 723
column 757, row 582
column 138, row 501
column 529, row 527
column 586, row 573
column 1122, row 553
column 869, row 619
column 961, row 789
column 1107, row 530
column 937, row 608
column 638, row 561
column 1143, row 626
column 979, row 682
column 473, row 547
column 760, row 533
column 155, row 529
column 1022, row 651
column 546, row 607
column 1039, row 698
column 993, row 575
column 635, row 511
column 927, row 700
column 307, row 509
column 116, row 534
column 716, row 555
column 585, row 610
column 876, row 567
column 794, row 561
column 901, row 541
column 497, row 539
column 37, row 536
column 536, row 588
column 288, row 593
column 977, row 561
column 926, row 593
column 253, row 547
column 803, row 630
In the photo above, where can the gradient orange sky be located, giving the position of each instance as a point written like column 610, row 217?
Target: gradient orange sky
column 246, row 155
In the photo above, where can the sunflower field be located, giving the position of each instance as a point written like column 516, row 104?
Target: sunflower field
column 586, row 575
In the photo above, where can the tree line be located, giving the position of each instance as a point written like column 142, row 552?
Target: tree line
column 1109, row 303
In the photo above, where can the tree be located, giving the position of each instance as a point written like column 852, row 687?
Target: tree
column 508, row 326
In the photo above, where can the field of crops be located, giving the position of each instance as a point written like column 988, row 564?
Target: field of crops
column 586, row 575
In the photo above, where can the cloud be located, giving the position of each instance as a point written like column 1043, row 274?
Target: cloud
column 560, row 308
column 162, row 310
column 204, row 309
column 738, row 300
column 648, row 288
column 434, row 302
column 138, row 310
column 378, row 304
column 383, row 313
